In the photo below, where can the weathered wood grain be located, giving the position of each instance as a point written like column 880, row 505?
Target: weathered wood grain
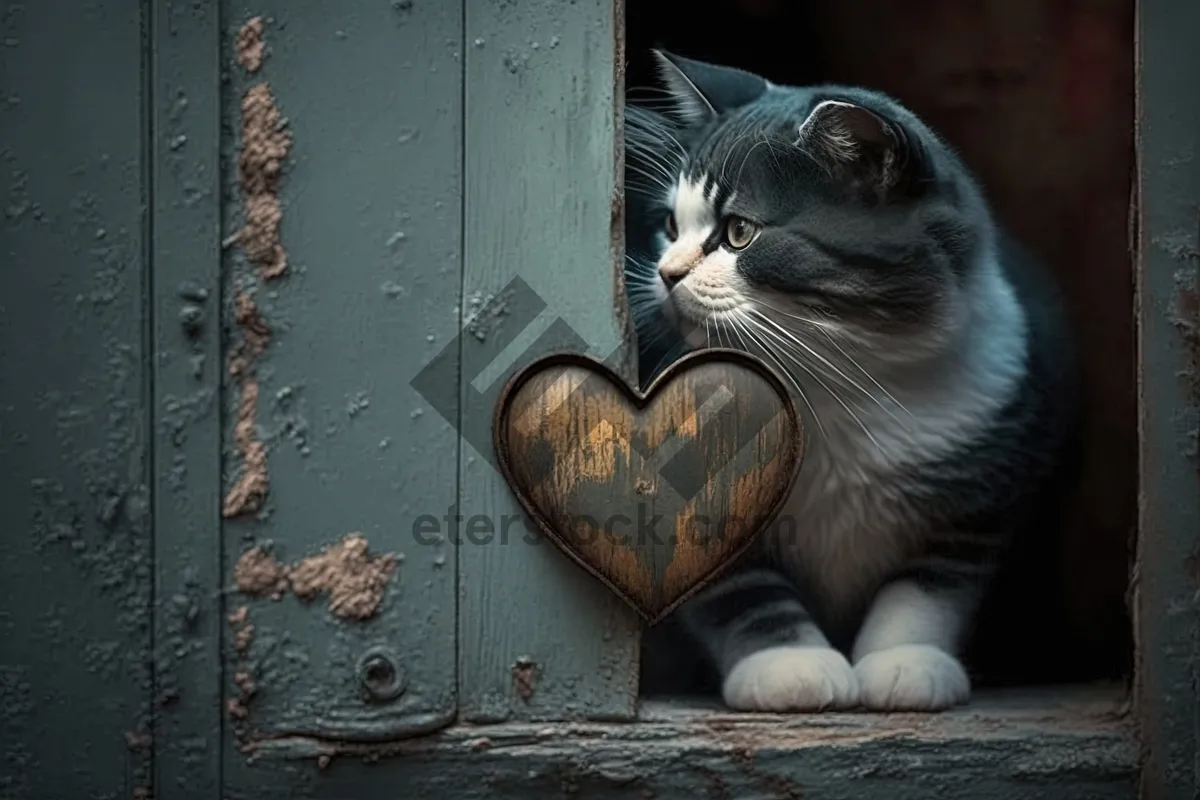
column 1061, row 743
column 652, row 492
column 1167, row 572
column 76, row 576
column 541, row 195
column 370, row 94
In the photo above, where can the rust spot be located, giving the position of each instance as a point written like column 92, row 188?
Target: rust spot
column 249, row 44
column 644, row 486
column 524, row 675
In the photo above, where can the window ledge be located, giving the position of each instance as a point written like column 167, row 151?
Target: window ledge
column 1073, row 742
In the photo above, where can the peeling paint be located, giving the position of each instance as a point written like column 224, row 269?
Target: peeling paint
column 250, row 45
column 243, row 630
column 524, row 676
column 258, row 573
column 354, row 581
column 265, row 145
column 248, row 493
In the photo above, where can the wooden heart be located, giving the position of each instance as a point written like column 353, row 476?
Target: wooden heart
column 652, row 492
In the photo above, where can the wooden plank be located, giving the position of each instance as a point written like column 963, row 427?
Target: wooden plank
column 371, row 230
column 75, row 624
column 186, row 295
column 1168, row 280
column 539, row 637
column 1071, row 743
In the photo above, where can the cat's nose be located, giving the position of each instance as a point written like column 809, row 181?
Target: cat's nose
column 670, row 277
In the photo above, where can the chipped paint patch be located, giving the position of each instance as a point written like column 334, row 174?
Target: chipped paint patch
column 354, row 580
column 243, row 630
column 524, row 675
column 264, row 146
column 258, row 573
column 247, row 494
column 249, row 45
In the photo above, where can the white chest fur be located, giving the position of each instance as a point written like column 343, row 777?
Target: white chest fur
column 847, row 524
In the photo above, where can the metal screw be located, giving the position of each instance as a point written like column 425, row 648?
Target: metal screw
column 380, row 676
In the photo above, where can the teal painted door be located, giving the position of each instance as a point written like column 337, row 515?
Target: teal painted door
column 237, row 262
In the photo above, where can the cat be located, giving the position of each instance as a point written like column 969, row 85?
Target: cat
column 829, row 231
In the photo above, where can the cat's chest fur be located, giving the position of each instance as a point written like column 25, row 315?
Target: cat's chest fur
column 850, row 520
column 844, row 526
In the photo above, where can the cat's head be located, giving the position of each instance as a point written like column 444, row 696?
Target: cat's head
column 773, row 209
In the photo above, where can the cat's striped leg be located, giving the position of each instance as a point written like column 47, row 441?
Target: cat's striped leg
column 770, row 653
column 906, row 652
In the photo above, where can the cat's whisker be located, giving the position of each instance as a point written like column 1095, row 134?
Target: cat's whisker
column 662, row 183
column 811, row 352
column 740, row 325
column 824, row 330
column 784, row 346
column 863, row 370
column 648, row 154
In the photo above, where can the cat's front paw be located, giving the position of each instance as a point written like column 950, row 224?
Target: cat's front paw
column 792, row 679
column 912, row 677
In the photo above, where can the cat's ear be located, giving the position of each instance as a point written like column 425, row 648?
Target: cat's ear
column 700, row 91
column 859, row 145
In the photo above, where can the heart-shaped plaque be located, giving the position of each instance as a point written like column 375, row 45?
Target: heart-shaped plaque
column 652, row 492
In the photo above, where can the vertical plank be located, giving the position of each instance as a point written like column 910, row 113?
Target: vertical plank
column 538, row 637
column 1168, row 558
column 370, row 94
column 75, row 625
column 186, row 271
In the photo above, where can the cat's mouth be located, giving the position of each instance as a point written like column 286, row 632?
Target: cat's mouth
column 699, row 305
column 698, row 314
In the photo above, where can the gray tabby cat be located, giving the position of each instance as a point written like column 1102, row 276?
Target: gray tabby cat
column 828, row 231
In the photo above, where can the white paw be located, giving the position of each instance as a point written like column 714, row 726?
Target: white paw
column 792, row 679
column 912, row 677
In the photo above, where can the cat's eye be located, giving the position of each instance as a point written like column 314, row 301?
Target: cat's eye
column 671, row 228
column 740, row 232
